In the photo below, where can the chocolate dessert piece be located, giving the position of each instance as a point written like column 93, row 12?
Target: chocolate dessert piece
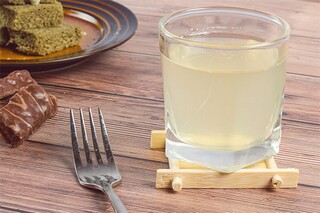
column 27, row 109
column 14, row 82
column 25, row 112
column 46, row 40
column 31, row 16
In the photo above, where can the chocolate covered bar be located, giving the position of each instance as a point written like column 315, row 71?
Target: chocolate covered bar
column 25, row 112
column 31, row 16
column 14, row 82
column 46, row 40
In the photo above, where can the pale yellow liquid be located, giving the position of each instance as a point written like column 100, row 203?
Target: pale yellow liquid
column 222, row 99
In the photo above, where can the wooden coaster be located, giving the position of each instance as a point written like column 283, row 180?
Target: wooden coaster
column 264, row 174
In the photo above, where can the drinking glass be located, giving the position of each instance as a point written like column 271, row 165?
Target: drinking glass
column 224, row 76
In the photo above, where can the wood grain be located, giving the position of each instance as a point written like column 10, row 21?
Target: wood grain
column 127, row 83
column 130, row 134
column 145, row 82
column 301, row 15
column 56, row 190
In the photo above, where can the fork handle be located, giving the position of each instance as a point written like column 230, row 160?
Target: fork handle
column 113, row 197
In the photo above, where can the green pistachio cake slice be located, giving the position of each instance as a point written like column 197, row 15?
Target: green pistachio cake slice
column 45, row 41
column 23, row 2
column 3, row 36
column 3, row 31
column 31, row 16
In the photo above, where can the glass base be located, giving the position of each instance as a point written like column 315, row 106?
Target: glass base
column 220, row 160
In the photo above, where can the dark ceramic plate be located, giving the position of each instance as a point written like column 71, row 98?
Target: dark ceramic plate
column 105, row 25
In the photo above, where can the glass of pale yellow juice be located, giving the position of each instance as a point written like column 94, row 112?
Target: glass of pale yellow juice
column 224, row 76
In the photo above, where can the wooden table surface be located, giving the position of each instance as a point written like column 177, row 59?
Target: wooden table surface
column 127, row 83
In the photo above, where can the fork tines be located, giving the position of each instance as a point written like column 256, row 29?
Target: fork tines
column 103, row 176
column 105, row 139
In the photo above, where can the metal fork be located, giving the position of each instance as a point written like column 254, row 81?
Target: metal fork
column 104, row 176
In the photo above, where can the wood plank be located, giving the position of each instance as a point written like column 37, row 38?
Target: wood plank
column 141, row 82
column 301, row 15
column 127, row 83
column 114, row 72
column 44, row 172
column 302, row 99
column 50, row 194
column 145, row 81
column 301, row 54
column 130, row 121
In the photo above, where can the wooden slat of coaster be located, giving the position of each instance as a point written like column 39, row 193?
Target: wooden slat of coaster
column 245, row 178
column 157, row 139
column 186, row 165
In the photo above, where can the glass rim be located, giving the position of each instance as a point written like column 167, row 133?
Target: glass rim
column 232, row 10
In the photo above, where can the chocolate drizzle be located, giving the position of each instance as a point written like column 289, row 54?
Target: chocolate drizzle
column 14, row 82
column 26, row 110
